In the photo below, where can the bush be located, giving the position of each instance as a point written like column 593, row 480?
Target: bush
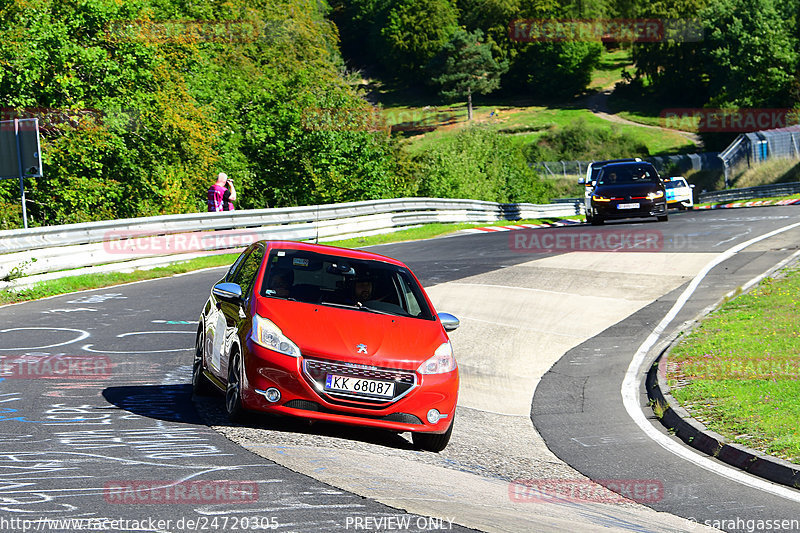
column 553, row 69
column 580, row 141
column 479, row 164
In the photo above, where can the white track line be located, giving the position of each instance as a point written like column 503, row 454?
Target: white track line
column 630, row 386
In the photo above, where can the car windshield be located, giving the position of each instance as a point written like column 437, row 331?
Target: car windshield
column 673, row 184
column 597, row 166
column 363, row 285
column 627, row 174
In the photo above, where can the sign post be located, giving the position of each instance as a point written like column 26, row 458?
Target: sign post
column 20, row 154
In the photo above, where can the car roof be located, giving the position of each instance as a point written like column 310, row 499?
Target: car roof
column 330, row 250
column 610, row 161
column 629, row 164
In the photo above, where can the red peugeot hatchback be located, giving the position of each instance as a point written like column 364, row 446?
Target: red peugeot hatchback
column 330, row 334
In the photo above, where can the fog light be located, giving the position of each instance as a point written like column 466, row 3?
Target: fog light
column 433, row 416
column 271, row 394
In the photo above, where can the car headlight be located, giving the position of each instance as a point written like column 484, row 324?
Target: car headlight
column 655, row 195
column 601, row 198
column 267, row 334
column 442, row 361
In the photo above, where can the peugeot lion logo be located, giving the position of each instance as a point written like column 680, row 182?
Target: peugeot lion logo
column 362, row 348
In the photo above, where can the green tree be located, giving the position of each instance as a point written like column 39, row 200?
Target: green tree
column 160, row 95
column 480, row 164
column 413, row 32
column 554, row 69
column 465, row 66
column 752, row 56
column 675, row 69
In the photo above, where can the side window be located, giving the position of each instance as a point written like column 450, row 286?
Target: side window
column 229, row 277
column 246, row 274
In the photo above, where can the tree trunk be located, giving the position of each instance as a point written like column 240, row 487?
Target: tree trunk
column 469, row 103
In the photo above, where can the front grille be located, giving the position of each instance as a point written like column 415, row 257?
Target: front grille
column 358, row 371
column 316, row 371
column 305, row 405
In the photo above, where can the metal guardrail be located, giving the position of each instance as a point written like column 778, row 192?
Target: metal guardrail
column 54, row 248
column 759, row 146
column 760, row 191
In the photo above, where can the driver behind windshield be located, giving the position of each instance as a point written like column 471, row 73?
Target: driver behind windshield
column 281, row 281
column 362, row 290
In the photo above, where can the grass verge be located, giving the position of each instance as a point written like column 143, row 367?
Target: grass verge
column 106, row 279
column 738, row 371
column 95, row 281
column 776, row 170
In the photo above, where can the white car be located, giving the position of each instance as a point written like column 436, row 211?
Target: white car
column 679, row 193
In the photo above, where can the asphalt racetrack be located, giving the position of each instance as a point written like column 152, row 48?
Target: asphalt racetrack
column 550, row 326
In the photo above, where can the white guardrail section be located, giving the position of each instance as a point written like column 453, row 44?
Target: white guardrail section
column 55, row 248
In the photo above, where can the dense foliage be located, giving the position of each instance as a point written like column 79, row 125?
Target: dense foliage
column 720, row 53
column 580, row 141
column 142, row 102
column 480, row 164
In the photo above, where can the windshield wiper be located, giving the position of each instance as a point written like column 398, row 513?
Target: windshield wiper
column 358, row 306
column 342, row 306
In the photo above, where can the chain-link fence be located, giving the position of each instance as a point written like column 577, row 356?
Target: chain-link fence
column 669, row 164
column 759, row 146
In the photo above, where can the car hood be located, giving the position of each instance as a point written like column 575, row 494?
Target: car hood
column 626, row 190
column 334, row 333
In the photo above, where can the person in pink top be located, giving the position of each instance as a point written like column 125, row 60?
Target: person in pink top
column 222, row 194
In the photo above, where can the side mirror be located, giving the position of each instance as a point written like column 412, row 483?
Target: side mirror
column 228, row 292
column 581, row 180
column 691, row 185
column 449, row 322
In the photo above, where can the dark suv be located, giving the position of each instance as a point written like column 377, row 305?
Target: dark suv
column 627, row 190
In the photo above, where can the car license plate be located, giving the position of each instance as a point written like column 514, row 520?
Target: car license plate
column 367, row 387
column 628, row 206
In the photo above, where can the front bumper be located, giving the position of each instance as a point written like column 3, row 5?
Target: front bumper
column 304, row 396
column 647, row 208
column 684, row 200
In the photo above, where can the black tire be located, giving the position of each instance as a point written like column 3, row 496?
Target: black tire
column 233, row 391
column 200, row 384
column 433, row 442
column 597, row 221
column 663, row 218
